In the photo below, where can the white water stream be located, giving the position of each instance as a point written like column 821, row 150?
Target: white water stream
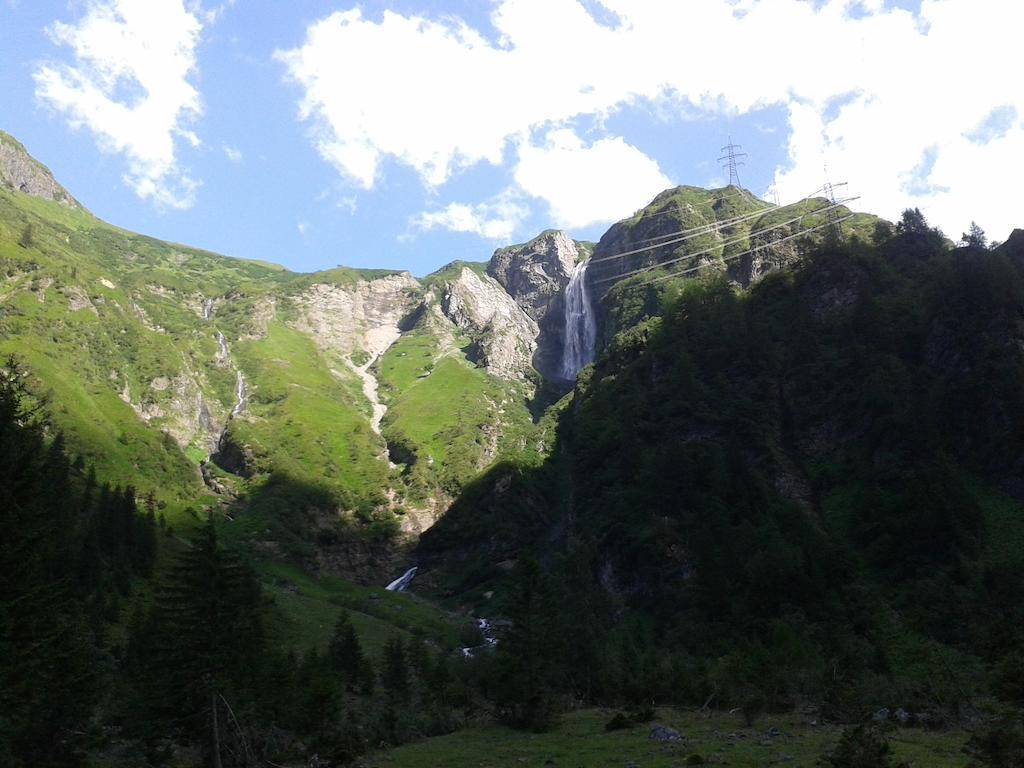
column 240, row 397
column 402, row 582
column 223, row 344
column 489, row 638
column 580, row 324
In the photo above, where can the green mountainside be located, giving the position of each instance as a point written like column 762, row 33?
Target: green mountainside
column 142, row 347
column 680, row 232
column 788, row 490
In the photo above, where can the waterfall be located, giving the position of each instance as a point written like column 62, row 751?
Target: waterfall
column 223, row 344
column 489, row 638
column 402, row 582
column 239, row 394
column 580, row 324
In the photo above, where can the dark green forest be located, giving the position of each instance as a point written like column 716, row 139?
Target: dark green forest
column 806, row 493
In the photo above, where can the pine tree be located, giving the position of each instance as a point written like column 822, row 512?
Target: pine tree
column 207, row 643
column 974, row 237
column 912, row 221
column 47, row 654
column 345, row 652
column 395, row 674
column 526, row 661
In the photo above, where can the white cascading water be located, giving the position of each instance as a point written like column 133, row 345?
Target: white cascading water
column 580, row 324
column 239, row 394
column 402, row 582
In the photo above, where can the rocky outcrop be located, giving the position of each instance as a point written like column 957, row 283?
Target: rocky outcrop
column 19, row 172
column 233, row 457
column 175, row 402
column 772, row 252
column 504, row 335
column 359, row 322
column 1013, row 248
column 364, row 317
column 536, row 273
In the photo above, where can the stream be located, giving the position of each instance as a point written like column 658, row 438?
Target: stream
column 241, row 392
column 240, row 398
column 223, row 344
column 487, row 632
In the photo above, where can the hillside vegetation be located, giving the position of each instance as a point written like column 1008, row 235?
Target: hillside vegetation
column 140, row 345
column 782, row 511
column 804, row 493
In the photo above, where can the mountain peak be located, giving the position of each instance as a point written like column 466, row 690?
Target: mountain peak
column 21, row 172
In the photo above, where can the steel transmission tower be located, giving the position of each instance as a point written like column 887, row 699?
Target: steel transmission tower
column 833, row 214
column 732, row 159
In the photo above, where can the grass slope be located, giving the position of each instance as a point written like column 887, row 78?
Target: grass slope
column 446, row 418
column 310, row 606
column 580, row 741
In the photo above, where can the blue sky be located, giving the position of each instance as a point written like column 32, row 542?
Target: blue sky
column 407, row 134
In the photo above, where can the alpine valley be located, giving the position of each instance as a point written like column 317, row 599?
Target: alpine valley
column 753, row 471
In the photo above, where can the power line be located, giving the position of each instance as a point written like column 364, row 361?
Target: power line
column 830, row 193
column 683, row 235
column 722, row 246
column 735, row 256
column 732, row 160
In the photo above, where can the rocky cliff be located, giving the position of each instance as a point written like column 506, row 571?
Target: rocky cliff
column 504, row 335
column 535, row 274
column 159, row 355
column 19, row 171
column 724, row 229
column 363, row 317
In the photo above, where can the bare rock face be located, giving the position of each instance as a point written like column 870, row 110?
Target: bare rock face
column 536, row 273
column 504, row 335
column 176, row 404
column 19, row 172
column 362, row 317
column 772, row 252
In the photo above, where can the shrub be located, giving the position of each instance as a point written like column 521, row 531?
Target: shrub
column 862, row 746
column 999, row 743
column 618, row 723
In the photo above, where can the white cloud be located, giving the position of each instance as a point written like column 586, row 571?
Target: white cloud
column 495, row 220
column 212, row 16
column 234, row 154
column 438, row 96
column 129, row 85
column 586, row 185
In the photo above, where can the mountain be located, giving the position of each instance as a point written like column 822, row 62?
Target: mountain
column 212, row 380
column 697, row 232
column 810, row 490
column 20, row 171
column 332, row 409
column 733, row 455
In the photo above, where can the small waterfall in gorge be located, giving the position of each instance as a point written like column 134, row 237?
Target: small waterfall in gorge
column 580, row 324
